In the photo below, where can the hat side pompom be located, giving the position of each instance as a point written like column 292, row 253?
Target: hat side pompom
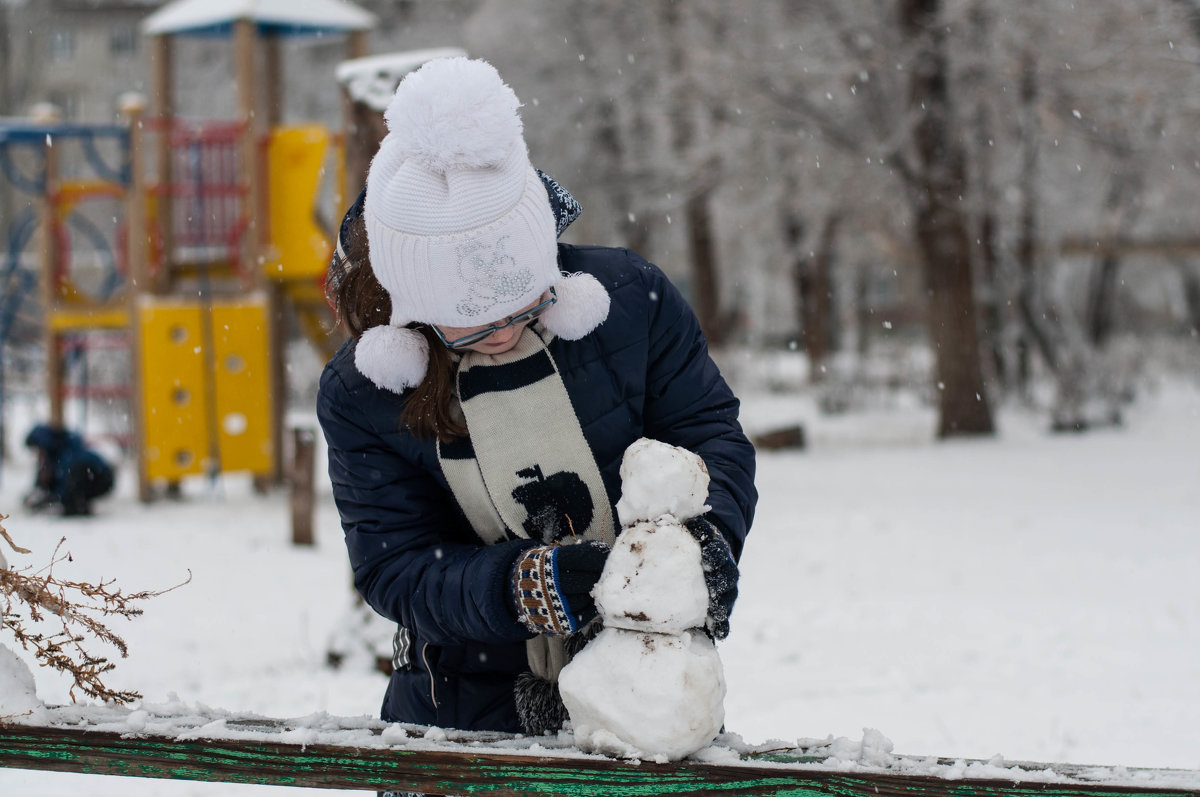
column 582, row 306
column 394, row 358
column 454, row 113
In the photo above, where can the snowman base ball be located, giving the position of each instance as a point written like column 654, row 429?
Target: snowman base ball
column 642, row 695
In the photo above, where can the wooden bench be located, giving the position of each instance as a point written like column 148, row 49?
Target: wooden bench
column 361, row 754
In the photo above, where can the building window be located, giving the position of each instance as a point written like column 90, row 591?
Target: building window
column 124, row 40
column 62, row 44
column 67, row 103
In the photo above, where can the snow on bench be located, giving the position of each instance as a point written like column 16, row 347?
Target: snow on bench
column 177, row 741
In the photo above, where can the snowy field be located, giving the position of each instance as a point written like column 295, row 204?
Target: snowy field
column 1032, row 595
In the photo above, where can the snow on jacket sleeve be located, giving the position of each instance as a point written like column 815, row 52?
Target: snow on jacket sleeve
column 402, row 533
column 688, row 404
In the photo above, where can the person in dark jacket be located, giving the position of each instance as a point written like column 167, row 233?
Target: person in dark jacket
column 69, row 474
column 477, row 417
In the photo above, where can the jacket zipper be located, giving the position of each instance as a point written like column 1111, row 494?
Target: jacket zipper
column 428, row 669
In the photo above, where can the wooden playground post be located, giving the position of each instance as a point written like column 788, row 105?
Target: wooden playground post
column 273, row 90
column 357, row 45
column 273, row 78
column 137, row 240
column 245, row 38
column 48, row 255
column 162, row 109
column 133, row 108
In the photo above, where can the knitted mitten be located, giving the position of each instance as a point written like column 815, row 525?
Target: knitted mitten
column 552, row 585
column 720, row 574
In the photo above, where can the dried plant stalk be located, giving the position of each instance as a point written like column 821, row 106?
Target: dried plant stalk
column 31, row 600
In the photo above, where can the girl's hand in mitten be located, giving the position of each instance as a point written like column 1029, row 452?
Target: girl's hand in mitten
column 720, row 574
column 552, row 585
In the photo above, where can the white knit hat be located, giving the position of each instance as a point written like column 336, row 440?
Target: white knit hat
column 459, row 225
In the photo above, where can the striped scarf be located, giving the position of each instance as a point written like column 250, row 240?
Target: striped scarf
column 526, row 470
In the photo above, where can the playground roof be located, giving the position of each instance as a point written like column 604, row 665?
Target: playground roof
column 372, row 80
column 283, row 17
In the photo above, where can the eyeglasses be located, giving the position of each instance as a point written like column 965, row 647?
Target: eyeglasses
column 519, row 318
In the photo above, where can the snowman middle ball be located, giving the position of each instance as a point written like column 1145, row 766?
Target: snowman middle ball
column 653, row 580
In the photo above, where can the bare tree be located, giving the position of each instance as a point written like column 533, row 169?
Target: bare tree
column 813, row 277
column 686, row 117
column 720, row 137
column 1189, row 275
column 994, row 303
column 937, row 188
column 1035, row 328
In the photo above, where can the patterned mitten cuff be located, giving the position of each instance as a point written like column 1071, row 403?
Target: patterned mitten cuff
column 553, row 585
column 720, row 574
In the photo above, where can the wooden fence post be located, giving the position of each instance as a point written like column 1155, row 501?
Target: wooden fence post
column 300, row 479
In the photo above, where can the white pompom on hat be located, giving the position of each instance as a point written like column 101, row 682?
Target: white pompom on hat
column 459, row 225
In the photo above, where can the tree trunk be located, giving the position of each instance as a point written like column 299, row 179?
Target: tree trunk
column 705, row 283
column 6, row 204
column 1191, row 10
column 1121, row 208
column 862, row 310
column 993, row 297
column 634, row 232
column 1102, row 299
column 1034, row 323
column 1191, row 280
column 812, row 277
column 942, row 229
column 993, row 305
column 1191, row 295
column 697, row 212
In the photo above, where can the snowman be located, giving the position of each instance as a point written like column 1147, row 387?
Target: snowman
column 650, row 685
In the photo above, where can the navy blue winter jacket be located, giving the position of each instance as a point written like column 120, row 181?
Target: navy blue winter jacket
column 645, row 372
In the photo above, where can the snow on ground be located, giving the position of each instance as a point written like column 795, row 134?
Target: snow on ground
column 1032, row 595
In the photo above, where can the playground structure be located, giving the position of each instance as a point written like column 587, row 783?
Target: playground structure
column 213, row 248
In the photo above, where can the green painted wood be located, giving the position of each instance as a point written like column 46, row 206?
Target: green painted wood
column 484, row 772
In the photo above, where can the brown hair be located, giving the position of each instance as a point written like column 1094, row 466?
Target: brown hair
column 362, row 303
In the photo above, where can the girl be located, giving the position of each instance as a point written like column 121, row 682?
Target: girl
column 477, row 417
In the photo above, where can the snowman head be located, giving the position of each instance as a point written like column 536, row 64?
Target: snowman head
column 660, row 479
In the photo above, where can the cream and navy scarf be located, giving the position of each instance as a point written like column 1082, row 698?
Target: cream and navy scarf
column 525, row 466
column 526, row 470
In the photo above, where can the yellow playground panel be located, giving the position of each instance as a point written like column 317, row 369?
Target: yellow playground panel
column 300, row 248
column 206, row 397
column 295, row 165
